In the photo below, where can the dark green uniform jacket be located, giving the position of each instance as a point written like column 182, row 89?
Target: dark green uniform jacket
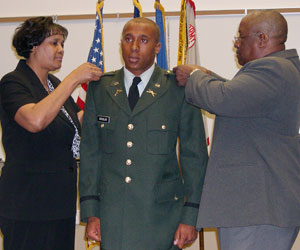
column 129, row 175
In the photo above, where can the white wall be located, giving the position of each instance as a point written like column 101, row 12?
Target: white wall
column 215, row 35
column 56, row 7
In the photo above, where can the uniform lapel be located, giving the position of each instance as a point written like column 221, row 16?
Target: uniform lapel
column 116, row 90
column 155, row 88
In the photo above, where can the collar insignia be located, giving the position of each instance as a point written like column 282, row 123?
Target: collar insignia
column 118, row 91
column 114, row 83
column 149, row 91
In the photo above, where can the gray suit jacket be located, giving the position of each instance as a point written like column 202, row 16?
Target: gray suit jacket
column 253, row 175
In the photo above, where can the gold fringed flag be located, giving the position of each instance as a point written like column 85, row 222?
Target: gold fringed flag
column 192, row 56
column 188, row 52
column 137, row 9
column 96, row 54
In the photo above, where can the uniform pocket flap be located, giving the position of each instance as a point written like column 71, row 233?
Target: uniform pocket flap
column 161, row 124
column 170, row 191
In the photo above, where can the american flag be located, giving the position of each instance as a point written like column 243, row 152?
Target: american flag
column 96, row 54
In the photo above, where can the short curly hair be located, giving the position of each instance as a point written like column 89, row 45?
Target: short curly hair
column 33, row 32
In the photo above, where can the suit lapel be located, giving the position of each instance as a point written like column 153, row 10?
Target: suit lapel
column 66, row 105
column 116, row 90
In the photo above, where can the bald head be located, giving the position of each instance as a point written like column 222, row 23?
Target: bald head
column 142, row 20
column 269, row 22
column 261, row 33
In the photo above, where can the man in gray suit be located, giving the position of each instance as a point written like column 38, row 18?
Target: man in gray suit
column 251, row 191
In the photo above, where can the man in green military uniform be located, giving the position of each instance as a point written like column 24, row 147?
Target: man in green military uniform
column 130, row 182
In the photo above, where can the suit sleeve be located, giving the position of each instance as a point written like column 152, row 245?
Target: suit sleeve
column 193, row 160
column 253, row 92
column 14, row 94
column 90, row 158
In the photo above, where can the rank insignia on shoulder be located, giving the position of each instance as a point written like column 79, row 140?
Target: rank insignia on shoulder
column 110, row 73
column 103, row 118
column 157, row 85
column 169, row 72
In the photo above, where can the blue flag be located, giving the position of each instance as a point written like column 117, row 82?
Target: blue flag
column 137, row 9
column 160, row 20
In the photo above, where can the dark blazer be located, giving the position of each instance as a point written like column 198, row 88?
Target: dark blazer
column 38, row 180
column 129, row 175
column 253, row 174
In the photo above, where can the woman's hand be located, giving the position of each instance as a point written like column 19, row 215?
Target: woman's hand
column 35, row 117
column 86, row 72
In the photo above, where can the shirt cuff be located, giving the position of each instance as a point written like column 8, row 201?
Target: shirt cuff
column 193, row 71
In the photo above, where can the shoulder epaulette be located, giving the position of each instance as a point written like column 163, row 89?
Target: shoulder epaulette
column 169, row 73
column 110, row 73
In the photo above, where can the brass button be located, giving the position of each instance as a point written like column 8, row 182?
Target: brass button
column 130, row 126
column 129, row 144
column 163, row 127
column 128, row 162
column 127, row 179
column 102, row 125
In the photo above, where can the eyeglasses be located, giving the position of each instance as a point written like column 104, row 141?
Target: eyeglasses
column 237, row 39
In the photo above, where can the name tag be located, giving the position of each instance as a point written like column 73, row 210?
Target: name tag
column 103, row 118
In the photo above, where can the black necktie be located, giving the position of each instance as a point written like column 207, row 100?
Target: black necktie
column 134, row 95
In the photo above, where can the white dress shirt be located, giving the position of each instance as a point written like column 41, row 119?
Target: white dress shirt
column 128, row 78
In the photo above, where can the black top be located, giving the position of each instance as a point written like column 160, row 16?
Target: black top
column 38, row 179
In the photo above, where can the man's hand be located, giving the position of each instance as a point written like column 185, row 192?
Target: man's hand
column 184, row 235
column 183, row 72
column 93, row 229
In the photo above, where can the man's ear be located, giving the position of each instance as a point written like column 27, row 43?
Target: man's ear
column 33, row 50
column 157, row 48
column 263, row 39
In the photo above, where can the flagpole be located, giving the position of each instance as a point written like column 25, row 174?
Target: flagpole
column 182, row 34
column 96, row 54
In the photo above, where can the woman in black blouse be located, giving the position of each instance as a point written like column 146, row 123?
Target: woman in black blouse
column 40, row 134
